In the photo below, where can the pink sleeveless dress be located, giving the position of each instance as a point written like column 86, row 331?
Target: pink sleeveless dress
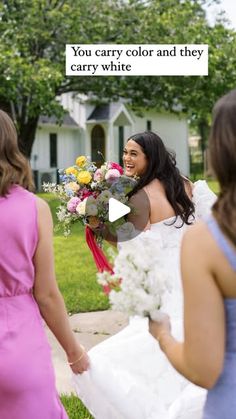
column 27, row 382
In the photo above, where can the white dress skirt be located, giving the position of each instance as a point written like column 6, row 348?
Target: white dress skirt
column 130, row 377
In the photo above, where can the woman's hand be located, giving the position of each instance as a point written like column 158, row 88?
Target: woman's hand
column 80, row 363
column 158, row 329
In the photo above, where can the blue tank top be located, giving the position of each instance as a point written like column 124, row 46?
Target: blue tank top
column 221, row 399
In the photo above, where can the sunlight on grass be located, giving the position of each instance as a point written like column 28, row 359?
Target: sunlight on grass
column 76, row 275
column 74, row 407
column 213, row 184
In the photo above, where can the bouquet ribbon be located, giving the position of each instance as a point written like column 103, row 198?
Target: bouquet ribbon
column 98, row 255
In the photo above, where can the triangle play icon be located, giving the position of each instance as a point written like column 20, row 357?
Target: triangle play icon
column 116, row 210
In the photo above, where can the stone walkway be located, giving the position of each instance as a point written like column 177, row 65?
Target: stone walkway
column 90, row 328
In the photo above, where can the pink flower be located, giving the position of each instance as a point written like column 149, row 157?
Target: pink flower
column 98, row 175
column 95, row 194
column 112, row 175
column 72, row 204
column 112, row 165
column 84, row 193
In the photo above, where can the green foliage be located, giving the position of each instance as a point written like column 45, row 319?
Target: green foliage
column 33, row 37
column 74, row 407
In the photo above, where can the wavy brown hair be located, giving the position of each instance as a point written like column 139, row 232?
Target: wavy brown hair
column 14, row 167
column 162, row 166
column 222, row 146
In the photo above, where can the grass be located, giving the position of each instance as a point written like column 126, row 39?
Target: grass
column 75, row 268
column 76, row 275
column 75, row 408
column 213, row 184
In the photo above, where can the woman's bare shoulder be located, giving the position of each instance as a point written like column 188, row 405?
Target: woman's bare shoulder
column 43, row 208
column 198, row 239
column 188, row 185
column 196, row 230
column 154, row 188
column 41, row 203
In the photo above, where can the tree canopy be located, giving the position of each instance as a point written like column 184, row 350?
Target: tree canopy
column 32, row 56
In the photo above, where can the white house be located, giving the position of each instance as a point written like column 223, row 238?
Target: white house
column 98, row 131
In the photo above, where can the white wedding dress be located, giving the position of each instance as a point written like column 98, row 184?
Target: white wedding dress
column 130, row 377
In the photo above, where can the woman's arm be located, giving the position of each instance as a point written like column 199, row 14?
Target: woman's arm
column 200, row 357
column 48, row 296
column 140, row 211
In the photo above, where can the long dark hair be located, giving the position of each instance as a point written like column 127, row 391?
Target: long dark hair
column 222, row 145
column 162, row 166
column 14, row 167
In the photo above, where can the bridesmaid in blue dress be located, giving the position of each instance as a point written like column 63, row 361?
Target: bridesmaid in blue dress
column 207, row 356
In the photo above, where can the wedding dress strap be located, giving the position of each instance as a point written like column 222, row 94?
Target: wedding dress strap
column 221, row 240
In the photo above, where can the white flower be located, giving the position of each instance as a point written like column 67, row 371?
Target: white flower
column 144, row 279
column 61, row 213
column 72, row 186
column 103, row 169
column 81, row 207
column 93, row 185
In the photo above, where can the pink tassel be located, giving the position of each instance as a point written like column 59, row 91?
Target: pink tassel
column 98, row 255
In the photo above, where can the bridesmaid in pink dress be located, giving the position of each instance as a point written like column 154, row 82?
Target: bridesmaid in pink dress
column 28, row 293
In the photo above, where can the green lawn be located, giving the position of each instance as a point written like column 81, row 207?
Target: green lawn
column 76, row 275
column 213, row 184
column 75, row 269
column 75, row 408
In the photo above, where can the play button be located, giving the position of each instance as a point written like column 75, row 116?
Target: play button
column 117, row 210
column 113, row 205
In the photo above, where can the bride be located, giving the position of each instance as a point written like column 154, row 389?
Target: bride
column 130, row 378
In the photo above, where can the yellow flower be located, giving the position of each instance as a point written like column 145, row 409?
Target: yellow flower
column 84, row 177
column 73, row 186
column 71, row 171
column 80, row 161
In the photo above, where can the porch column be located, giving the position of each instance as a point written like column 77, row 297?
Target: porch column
column 110, row 142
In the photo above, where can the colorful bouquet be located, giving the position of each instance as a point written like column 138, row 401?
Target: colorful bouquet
column 84, row 192
column 144, row 279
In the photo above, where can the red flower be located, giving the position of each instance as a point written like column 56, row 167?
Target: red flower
column 106, row 289
column 84, row 193
column 111, row 286
column 112, row 165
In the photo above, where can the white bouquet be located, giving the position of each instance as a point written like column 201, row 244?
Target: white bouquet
column 139, row 280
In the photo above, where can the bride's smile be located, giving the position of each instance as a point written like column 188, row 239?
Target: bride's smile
column 134, row 159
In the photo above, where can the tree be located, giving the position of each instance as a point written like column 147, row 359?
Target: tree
column 179, row 23
column 32, row 69
column 34, row 34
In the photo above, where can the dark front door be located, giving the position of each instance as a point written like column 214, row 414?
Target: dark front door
column 98, row 145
